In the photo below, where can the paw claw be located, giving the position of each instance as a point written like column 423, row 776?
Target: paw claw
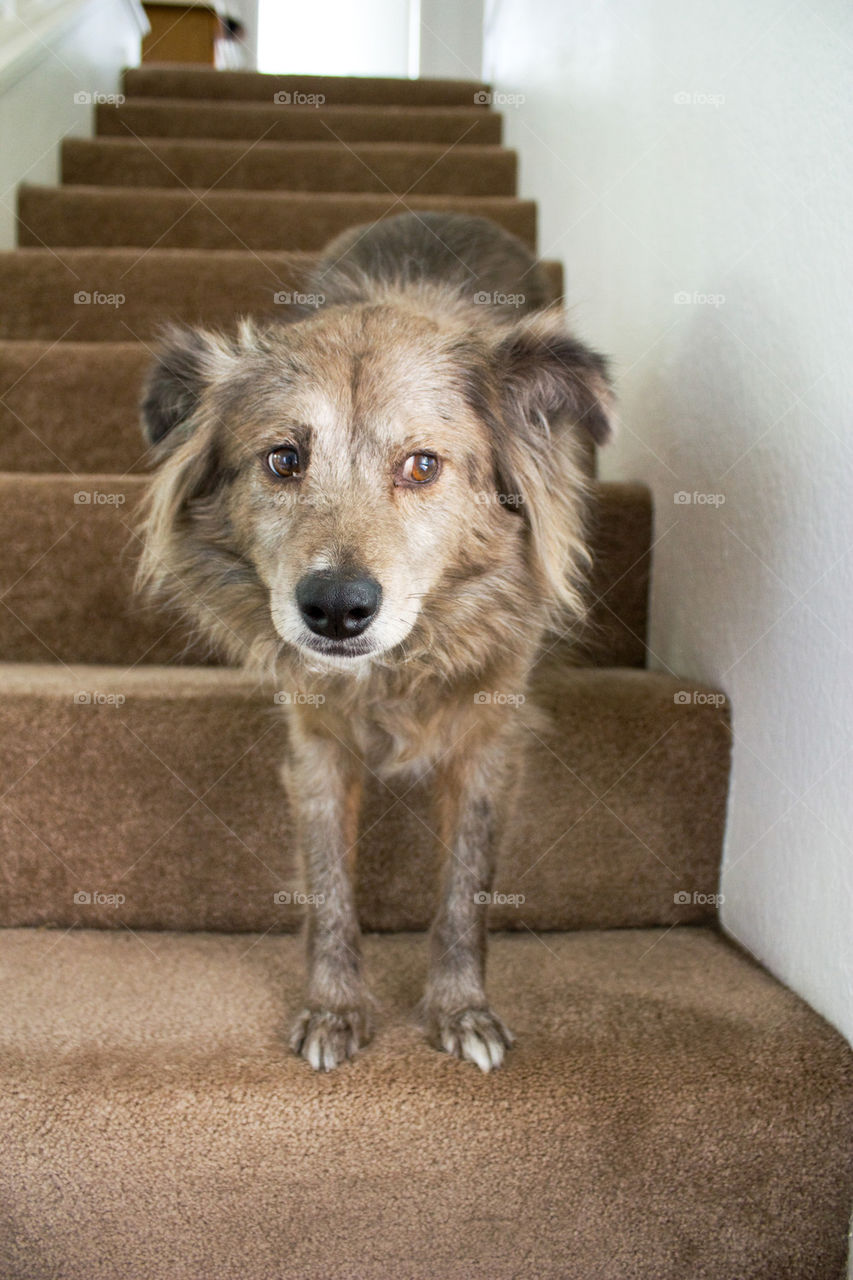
column 475, row 1035
column 325, row 1038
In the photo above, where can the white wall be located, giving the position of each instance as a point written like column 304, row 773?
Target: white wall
column 436, row 38
column 450, row 38
column 334, row 37
column 705, row 151
column 50, row 54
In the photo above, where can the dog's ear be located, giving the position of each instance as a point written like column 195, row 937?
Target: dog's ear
column 186, row 363
column 545, row 373
column 547, row 390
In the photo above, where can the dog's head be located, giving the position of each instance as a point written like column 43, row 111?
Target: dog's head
column 369, row 473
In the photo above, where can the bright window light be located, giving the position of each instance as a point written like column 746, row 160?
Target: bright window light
column 334, row 37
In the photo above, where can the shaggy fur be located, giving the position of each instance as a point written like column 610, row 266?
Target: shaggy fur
column 428, row 344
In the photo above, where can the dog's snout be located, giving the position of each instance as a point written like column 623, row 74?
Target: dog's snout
column 336, row 605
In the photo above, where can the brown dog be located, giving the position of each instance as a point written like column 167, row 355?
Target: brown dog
column 383, row 498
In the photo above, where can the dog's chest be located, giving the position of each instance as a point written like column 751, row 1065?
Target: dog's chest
column 395, row 745
column 401, row 736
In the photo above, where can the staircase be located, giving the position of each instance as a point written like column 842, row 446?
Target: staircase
column 670, row 1110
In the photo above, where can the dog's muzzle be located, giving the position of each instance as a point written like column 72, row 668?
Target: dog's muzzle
column 337, row 606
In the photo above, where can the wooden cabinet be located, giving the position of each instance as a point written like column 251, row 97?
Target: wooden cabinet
column 181, row 33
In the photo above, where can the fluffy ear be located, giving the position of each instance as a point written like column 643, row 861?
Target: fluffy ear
column 546, row 373
column 187, row 361
column 185, row 431
column 546, row 388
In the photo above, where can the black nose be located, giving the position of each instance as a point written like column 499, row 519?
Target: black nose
column 336, row 605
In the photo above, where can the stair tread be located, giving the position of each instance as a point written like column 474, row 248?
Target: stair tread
column 71, row 405
column 295, row 166
column 207, row 286
column 101, row 767
column 219, row 85
column 647, row 1060
column 186, row 117
column 79, row 529
column 57, row 679
column 365, row 199
column 152, row 216
column 324, row 148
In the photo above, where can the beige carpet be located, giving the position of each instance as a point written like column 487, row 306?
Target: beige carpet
column 670, row 1112
column 160, row 784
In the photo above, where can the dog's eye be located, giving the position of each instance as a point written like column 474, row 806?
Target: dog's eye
column 420, row 467
column 284, row 461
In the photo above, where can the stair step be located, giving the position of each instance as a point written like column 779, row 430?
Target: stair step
column 292, row 90
column 160, row 783
column 153, row 217
column 301, row 166
column 669, row 1110
column 70, row 554
column 620, row 535
column 183, row 118
column 204, row 286
column 72, row 406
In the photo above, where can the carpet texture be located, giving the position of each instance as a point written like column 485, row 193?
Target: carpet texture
column 71, row 550
column 670, row 1111
column 194, row 82
column 376, row 167
column 149, row 217
column 121, row 295
column 184, row 118
column 161, row 784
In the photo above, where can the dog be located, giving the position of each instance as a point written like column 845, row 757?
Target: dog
column 383, row 497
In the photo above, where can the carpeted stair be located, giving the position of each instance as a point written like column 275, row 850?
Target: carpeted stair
column 670, row 1111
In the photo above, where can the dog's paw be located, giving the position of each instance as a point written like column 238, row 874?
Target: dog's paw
column 475, row 1035
column 325, row 1038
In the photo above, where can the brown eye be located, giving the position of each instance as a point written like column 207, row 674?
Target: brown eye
column 420, row 468
column 284, row 462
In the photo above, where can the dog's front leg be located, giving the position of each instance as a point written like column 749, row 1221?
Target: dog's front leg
column 455, row 1009
column 323, row 782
